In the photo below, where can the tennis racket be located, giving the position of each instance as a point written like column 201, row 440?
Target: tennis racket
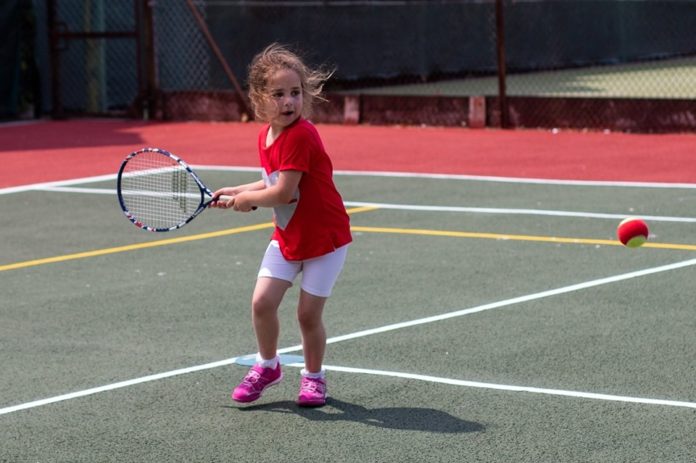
column 159, row 192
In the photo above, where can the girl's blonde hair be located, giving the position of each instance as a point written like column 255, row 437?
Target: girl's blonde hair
column 274, row 58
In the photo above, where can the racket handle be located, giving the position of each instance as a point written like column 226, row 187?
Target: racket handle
column 227, row 198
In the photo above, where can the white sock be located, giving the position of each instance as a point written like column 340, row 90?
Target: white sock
column 272, row 363
column 319, row 375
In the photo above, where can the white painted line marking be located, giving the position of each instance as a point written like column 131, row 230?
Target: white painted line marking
column 478, row 178
column 542, row 212
column 298, row 362
column 505, row 387
column 392, row 327
column 425, row 208
column 114, row 386
column 519, row 180
column 515, row 300
column 39, row 186
column 357, row 173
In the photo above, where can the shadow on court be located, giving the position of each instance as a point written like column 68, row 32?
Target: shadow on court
column 402, row 418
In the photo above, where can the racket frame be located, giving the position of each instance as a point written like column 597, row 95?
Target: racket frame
column 205, row 191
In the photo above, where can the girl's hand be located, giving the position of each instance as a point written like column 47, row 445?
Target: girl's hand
column 241, row 203
column 229, row 192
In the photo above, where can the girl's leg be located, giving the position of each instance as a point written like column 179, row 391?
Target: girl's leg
column 319, row 276
column 267, row 297
column 309, row 316
column 264, row 314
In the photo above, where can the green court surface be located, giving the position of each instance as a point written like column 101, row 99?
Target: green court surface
column 486, row 321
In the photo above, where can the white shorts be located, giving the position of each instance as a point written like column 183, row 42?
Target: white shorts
column 318, row 274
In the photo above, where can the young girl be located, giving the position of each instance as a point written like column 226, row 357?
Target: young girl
column 312, row 230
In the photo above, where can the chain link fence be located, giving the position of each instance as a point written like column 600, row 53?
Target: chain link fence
column 374, row 47
column 627, row 65
column 606, row 64
column 94, row 56
column 190, row 76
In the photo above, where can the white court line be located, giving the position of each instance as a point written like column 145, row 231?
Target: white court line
column 46, row 185
column 480, row 178
column 396, row 326
column 533, row 181
column 542, row 212
column 298, row 362
column 505, row 387
column 113, row 386
column 516, row 300
column 386, row 174
column 425, row 208
column 75, row 189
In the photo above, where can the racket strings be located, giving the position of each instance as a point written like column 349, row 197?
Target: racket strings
column 158, row 191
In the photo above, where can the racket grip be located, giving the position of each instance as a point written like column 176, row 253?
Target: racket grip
column 227, row 198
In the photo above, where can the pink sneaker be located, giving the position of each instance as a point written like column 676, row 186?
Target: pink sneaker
column 312, row 392
column 254, row 383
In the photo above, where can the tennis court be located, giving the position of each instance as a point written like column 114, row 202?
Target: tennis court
column 634, row 80
column 486, row 311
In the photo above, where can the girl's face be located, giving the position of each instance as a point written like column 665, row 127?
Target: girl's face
column 285, row 103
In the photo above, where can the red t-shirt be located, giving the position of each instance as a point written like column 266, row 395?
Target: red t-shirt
column 315, row 222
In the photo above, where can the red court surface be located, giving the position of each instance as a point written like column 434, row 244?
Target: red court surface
column 47, row 151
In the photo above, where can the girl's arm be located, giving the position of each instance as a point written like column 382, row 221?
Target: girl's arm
column 234, row 191
column 283, row 192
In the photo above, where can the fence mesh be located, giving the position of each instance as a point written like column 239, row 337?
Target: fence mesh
column 624, row 64
column 629, row 65
column 96, row 52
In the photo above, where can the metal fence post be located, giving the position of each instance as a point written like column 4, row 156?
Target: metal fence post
column 500, row 39
column 53, row 38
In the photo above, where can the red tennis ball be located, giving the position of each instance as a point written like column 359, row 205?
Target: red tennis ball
column 632, row 232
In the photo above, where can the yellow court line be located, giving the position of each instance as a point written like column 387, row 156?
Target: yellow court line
column 133, row 247
column 400, row 231
column 355, row 210
column 152, row 244
column 498, row 236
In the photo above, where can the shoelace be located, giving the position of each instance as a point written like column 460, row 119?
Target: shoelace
column 252, row 378
column 310, row 385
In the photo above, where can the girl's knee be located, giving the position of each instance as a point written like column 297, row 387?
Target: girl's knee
column 309, row 310
column 261, row 304
column 268, row 295
column 309, row 319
